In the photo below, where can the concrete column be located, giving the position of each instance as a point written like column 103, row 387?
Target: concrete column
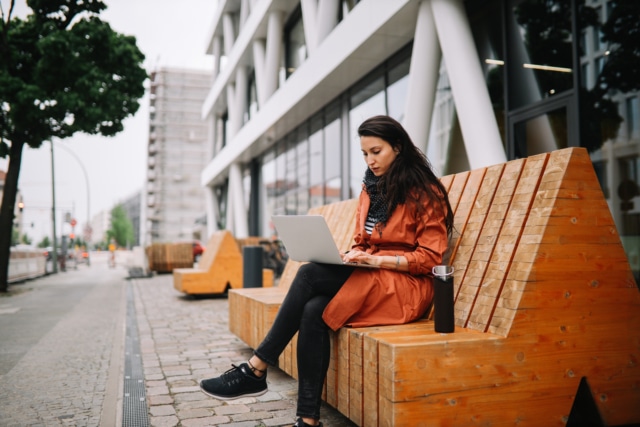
column 319, row 18
column 327, row 18
column 473, row 105
column 210, row 145
column 309, row 12
column 423, row 78
column 259, row 66
column 217, row 53
column 236, row 210
column 266, row 58
column 228, row 32
column 245, row 10
column 231, row 110
column 275, row 28
column 211, row 208
column 241, row 95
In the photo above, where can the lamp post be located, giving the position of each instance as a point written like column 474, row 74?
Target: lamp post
column 86, row 179
column 53, row 213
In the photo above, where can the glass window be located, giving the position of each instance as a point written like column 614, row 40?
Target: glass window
column 252, row 104
column 398, row 83
column 366, row 102
column 584, row 76
column 539, row 43
column 291, row 177
column 541, row 134
column 345, row 7
column 597, row 34
column 486, row 26
column 606, row 112
column 601, row 172
column 281, row 178
column 302, row 157
column 225, row 129
column 295, row 44
column 303, row 202
column 268, row 171
column 333, row 157
column 316, row 149
column 633, row 117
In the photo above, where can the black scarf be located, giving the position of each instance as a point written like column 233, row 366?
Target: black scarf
column 378, row 208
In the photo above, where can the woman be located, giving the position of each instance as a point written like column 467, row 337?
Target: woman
column 403, row 223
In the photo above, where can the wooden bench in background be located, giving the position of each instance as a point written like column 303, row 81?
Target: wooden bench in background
column 164, row 257
column 219, row 268
column 545, row 300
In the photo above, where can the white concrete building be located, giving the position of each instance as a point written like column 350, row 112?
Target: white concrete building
column 475, row 82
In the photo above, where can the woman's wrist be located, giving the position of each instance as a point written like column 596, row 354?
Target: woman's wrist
column 393, row 262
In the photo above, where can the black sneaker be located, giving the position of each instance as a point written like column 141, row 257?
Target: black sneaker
column 300, row 423
column 237, row 382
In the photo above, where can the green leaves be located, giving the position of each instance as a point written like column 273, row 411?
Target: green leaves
column 67, row 71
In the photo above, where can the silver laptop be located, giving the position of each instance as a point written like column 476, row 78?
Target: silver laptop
column 308, row 238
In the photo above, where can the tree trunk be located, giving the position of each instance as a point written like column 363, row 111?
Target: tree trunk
column 7, row 211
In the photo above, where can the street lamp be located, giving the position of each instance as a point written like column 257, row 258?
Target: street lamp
column 53, row 204
column 86, row 180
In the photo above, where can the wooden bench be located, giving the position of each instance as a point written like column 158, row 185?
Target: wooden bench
column 219, row 269
column 544, row 300
column 165, row 257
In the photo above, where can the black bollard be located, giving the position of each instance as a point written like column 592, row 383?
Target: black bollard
column 252, row 267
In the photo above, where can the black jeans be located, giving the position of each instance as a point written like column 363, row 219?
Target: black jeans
column 301, row 311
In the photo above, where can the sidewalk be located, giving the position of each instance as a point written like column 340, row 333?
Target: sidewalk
column 184, row 339
column 90, row 347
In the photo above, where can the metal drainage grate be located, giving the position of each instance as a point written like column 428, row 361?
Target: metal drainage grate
column 134, row 403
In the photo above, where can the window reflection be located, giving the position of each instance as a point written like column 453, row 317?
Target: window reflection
column 333, row 157
column 541, row 134
column 540, row 50
column 372, row 106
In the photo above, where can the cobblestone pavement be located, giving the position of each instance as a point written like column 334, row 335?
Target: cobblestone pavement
column 184, row 339
column 65, row 353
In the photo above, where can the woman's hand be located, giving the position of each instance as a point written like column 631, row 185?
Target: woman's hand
column 360, row 257
column 391, row 262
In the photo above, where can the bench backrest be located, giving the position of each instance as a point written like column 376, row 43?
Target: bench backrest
column 527, row 220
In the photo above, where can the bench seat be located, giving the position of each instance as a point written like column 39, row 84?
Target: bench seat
column 219, row 269
column 545, row 301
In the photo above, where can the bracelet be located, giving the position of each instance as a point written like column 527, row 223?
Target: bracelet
column 397, row 262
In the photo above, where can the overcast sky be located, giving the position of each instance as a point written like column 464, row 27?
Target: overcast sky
column 169, row 33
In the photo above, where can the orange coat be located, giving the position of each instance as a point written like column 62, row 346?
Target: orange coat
column 384, row 296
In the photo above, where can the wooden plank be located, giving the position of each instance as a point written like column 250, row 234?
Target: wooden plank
column 500, row 240
column 343, row 377
column 356, row 373
column 469, row 282
column 463, row 245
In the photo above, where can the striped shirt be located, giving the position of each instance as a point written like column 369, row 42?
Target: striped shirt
column 369, row 224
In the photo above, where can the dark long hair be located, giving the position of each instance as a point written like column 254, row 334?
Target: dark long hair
column 410, row 171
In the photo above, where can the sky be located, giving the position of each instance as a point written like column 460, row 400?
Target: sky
column 170, row 34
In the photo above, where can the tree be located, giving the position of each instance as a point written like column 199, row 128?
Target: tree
column 121, row 229
column 62, row 71
column 45, row 242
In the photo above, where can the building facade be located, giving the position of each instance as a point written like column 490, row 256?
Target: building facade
column 475, row 83
column 132, row 206
column 177, row 153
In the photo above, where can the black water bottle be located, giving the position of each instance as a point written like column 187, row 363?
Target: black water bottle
column 443, row 298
